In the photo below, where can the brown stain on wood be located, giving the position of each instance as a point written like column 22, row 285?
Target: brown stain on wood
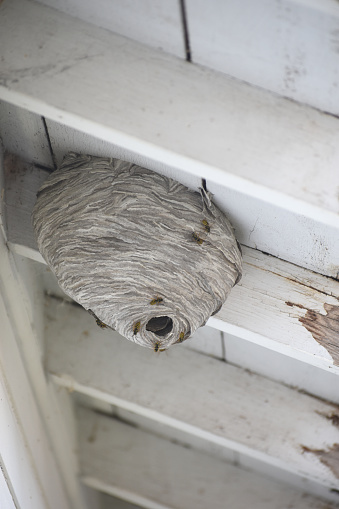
column 324, row 328
column 330, row 458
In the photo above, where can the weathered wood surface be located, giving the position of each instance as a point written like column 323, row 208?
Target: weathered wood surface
column 46, row 471
column 188, row 118
column 6, row 495
column 156, row 23
column 158, row 474
column 26, row 449
column 109, row 502
column 285, row 295
column 23, row 134
column 283, row 368
column 279, row 45
column 236, row 408
column 268, row 307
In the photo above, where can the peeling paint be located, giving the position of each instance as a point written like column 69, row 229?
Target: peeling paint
column 330, row 458
column 324, row 328
column 333, row 417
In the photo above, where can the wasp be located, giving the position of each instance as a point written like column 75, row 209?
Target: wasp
column 157, row 347
column 206, row 225
column 181, row 337
column 197, row 238
column 157, row 300
column 98, row 321
column 136, row 328
column 101, row 324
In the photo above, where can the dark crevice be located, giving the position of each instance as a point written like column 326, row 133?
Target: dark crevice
column 334, row 278
column 185, row 30
column 42, row 167
column 49, row 143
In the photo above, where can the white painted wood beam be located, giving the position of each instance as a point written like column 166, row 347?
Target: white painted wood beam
column 109, row 502
column 156, row 23
column 39, row 416
column 26, row 452
column 263, row 425
column 274, row 305
column 158, row 474
column 279, row 45
column 5, row 491
column 273, row 161
column 23, row 134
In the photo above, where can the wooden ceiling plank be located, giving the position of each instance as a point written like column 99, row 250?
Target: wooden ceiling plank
column 23, row 134
column 158, row 474
column 276, row 160
column 238, row 407
column 279, row 45
column 156, row 23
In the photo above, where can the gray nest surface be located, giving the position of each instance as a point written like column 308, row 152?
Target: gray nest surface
column 144, row 254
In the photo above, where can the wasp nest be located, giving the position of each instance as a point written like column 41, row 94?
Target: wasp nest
column 141, row 252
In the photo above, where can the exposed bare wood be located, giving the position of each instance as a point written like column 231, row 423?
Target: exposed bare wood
column 157, row 474
column 324, row 329
column 329, row 457
column 239, row 407
column 186, row 118
column 276, row 284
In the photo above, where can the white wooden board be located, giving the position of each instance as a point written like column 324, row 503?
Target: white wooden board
column 276, row 158
column 65, row 139
column 109, row 502
column 15, row 459
column 25, row 446
column 5, row 493
column 156, row 23
column 157, row 474
column 255, row 225
column 282, row 368
column 197, row 394
column 283, row 294
column 23, row 133
column 39, row 414
column 287, row 46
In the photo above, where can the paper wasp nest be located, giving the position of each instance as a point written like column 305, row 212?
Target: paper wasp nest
column 143, row 253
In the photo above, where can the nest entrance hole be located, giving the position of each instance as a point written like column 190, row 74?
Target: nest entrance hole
column 160, row 325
